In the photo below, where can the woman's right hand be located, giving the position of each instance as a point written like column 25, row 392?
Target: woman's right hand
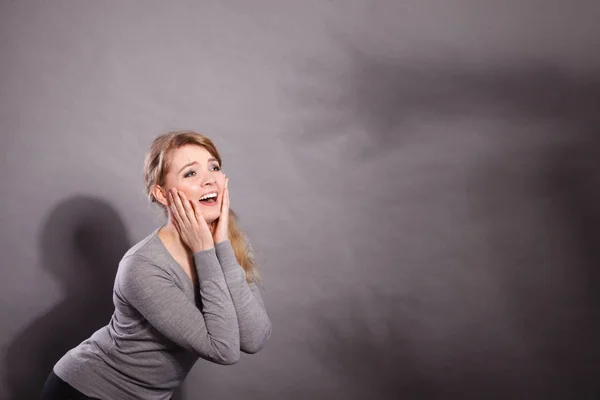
column 190, row 222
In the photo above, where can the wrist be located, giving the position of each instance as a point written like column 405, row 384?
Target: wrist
column 201, row 249
column 204, row 245
column 220, row 240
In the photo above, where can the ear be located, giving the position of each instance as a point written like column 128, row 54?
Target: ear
column 160, row 195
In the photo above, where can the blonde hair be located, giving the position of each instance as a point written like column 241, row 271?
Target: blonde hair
column 156, row 166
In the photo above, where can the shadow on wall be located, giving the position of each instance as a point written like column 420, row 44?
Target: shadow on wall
column 378, row 101
column 550, row 272
column 81, row 243
column 553, row 300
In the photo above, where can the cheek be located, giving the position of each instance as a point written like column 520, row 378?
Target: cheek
column 191, row 191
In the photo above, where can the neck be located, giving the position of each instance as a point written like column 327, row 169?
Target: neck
column 170, row 233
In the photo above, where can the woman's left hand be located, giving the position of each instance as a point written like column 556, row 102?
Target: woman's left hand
column 221, row 231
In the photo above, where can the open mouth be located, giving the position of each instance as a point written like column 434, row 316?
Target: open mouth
column 209, row 199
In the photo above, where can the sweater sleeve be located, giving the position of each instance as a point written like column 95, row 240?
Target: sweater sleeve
column 212, row 332
column 254, row 323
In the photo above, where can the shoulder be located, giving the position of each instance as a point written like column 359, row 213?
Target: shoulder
column 143, row 247
column 150, row 249
column 137, row 267
column 142, row 262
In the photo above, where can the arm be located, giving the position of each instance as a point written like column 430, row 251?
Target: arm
column 212, row 333
column 254, row 323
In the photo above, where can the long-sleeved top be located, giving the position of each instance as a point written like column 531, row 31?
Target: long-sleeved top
column 163, row 323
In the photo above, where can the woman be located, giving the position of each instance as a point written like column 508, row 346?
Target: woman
column 188, row 290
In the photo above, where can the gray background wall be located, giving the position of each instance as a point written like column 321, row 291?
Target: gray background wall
column 419, row 180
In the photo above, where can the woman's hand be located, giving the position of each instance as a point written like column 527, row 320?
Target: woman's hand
column 221, row 231
column 190, row 222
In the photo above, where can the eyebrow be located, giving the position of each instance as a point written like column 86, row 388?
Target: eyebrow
column 195, row 162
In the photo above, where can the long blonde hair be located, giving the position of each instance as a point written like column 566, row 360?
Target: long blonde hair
column 156, row 165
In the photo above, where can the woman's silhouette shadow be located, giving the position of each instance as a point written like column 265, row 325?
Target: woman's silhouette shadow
column 81, row 243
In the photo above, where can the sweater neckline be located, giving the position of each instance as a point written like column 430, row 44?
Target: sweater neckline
column 168, row 254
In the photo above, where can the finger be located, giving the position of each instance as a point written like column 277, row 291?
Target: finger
column 187, row 206
column 198, row 216
column 192, row 210
column 197, row 221
column 183, row 214
column 202, row 223
column 224, row 216
column 226, row 198
column 223, row 201
column 175, row 212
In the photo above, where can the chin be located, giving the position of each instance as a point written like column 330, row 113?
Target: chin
column 211, row 216
column 210, row 219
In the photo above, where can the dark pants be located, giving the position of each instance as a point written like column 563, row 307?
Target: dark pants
column 57, row 389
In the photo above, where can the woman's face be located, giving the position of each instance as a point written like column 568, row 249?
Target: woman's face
column 195, row 172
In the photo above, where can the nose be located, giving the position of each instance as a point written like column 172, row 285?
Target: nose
column 209, row 180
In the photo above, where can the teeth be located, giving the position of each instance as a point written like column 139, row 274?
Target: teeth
column 208, row 196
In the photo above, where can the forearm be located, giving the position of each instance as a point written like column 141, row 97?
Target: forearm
column 213, row 332
column 217, row 305
column 254, row 323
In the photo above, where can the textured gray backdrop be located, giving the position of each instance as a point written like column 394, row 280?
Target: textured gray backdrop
column 420, row 180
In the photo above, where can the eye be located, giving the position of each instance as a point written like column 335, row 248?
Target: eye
column 189, row 173
column 216, row 168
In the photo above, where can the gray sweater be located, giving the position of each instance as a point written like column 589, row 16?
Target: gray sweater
column 163, row 323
